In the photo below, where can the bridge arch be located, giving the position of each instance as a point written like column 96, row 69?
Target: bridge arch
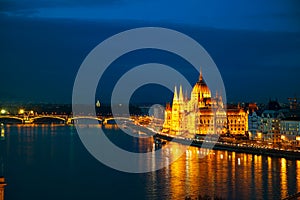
column 72, row 119
column 33, row 119
column 86, row 117
column 116, row 118
column 11, row 117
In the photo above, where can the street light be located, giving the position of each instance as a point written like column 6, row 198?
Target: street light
column 3, row 111
column 21, row 111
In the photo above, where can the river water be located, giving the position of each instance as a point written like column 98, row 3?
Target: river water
column 50, row 162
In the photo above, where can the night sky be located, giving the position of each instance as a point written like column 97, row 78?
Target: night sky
column 255, row 44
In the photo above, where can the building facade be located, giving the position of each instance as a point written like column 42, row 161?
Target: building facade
column 254, row 126
column 290, row 130
column 270, row 125
column 202, row 114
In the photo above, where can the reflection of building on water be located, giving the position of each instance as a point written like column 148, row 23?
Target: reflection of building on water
column 203, row 114
column 222, row 174
column 111, row 126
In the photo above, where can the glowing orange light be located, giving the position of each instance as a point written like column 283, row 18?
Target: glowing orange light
column 21, row 111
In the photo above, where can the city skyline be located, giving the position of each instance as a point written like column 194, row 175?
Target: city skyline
column 131, row 99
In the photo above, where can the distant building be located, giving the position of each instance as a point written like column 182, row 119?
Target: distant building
column 273, row 105
column 270, row 120
column 290, row 130
column 98, row 104
column 293, row 103
column 252, row 107
column 254, row 126
column 202, row 114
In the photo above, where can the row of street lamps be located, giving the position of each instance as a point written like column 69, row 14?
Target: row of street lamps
column 20, row 112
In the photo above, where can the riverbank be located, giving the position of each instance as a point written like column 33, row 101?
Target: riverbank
column 232, row 147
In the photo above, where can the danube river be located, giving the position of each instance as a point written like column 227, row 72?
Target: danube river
column 50, row 162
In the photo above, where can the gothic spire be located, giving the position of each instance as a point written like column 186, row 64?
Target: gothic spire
column 175, row 98
column 180, row 94
column 200, row 76
column 186, row 95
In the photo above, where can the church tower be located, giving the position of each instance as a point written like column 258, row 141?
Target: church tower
column 181, row 99
column 175, row 123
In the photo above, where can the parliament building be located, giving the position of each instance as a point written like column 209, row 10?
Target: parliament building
column 202, row 114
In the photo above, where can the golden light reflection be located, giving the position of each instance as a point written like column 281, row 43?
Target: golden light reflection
column 246, row 173
column 226, row 174
column 298, row 174
column 188, row 163
column 233, row 159
column 178, row 173
column 245, row 159
column 270, row 173
column 269, row 164
column 283, row 176
column 112, row 126
column 2, row 132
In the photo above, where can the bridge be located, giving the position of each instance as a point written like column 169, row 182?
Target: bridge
column 105, row 121
column 20, row 119
column 66, row 119
column 33, row 119
column 30, row 119
column 71, row 120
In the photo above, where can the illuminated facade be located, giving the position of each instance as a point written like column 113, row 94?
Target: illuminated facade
column 271, row 125
column 202, row 114
column 290, row 130
column 254, row 126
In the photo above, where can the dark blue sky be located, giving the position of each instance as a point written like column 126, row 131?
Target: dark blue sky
column 255, row 44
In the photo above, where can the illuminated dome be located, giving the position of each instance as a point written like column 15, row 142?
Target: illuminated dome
column 200, row 90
